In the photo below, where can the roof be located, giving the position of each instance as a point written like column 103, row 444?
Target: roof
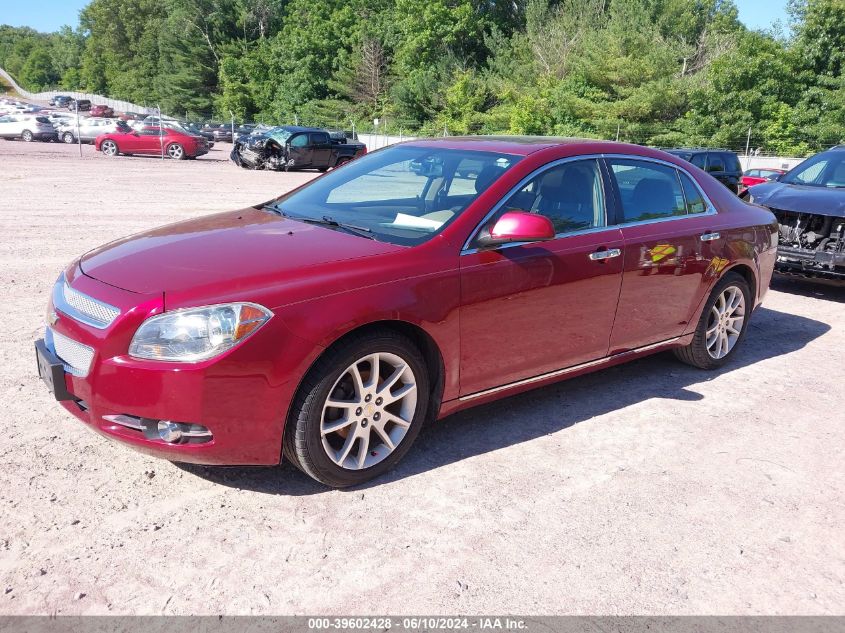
column 515, row 145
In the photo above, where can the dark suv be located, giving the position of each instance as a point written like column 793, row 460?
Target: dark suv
column 61, row 101
column 83, row 105
column 722, row 164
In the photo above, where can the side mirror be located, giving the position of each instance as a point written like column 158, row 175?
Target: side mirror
column 518, row 226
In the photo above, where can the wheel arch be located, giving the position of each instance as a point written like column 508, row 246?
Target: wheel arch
column 424, row 342
column 750, row 276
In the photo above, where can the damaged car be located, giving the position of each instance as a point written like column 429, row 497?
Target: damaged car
column 809, row 204
column 292, row 147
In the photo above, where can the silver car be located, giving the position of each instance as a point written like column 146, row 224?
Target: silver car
column 89, row 129
column 27, row 127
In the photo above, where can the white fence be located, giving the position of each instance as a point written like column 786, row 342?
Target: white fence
column 768, row 162
column 115, row 104
column 377, row 141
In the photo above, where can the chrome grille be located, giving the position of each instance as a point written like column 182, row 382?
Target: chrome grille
column 82, row 307
column 75, row 356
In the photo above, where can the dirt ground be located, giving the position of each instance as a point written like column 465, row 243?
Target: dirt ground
column 648, row 488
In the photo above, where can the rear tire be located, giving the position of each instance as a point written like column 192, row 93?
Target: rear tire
column 388, row 409
column 26, row 135
column 176, row 151
column 722, row 325
column 68, row 138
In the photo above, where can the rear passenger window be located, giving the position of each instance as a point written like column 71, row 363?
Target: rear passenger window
column 695, row 201
column 649, row 191
column 699, row 160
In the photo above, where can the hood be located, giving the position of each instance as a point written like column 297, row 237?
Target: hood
column 800, row 198
column 223, row 250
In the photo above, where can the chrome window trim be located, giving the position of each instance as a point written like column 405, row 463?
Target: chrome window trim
column 711, row 208
column 61, row 304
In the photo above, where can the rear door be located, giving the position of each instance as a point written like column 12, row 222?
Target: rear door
column 670, row 246
column 321, row 149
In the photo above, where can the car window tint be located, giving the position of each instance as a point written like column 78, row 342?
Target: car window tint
column 319, row 138
column 299, row 141
column 699, row 160
column 694, row 199
column 570, row 195
column 715, row 163
column 732, row 162
column 648, row 190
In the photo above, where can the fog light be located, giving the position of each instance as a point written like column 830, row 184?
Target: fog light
column 169, row 431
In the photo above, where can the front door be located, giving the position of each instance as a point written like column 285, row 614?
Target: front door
column 299, row 151
column 528, row 309
column 663, row 218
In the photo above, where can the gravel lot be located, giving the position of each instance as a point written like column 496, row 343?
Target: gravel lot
column 648, row 488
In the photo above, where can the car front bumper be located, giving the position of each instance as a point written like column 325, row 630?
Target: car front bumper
column 241, row 397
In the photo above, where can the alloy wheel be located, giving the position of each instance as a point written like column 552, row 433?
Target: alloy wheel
column 368, row 411
column 68, row 138
column 724, row 325
column 26, row 135
column 109, row 148
column 175, row 151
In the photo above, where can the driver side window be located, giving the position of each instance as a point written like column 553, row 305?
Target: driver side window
column 571, row 195
column 300, row 140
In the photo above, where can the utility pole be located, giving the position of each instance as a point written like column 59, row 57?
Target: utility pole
column 747, row 149
column 160, row 133
column 618, row 129
column 233, row 125
column 78, row 135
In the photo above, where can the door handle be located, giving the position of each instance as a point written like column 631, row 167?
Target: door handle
column 599, row 256
column 709, row 237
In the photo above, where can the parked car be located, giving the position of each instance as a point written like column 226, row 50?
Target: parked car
column 60, row 101
column 89, row 129
column 244, row 129
column 753, row 177
column 27, row 128
column 722, row 164
column 152, row 140
column 292, row 147
column 81, row 105
column 222, row 134
column 329, row 324
column 809, row 204
column 101, row 111
column 192, row 128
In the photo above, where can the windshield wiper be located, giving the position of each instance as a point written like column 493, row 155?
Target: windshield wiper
column 326, row 220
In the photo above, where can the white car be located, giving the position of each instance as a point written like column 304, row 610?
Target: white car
column 89, row 129
column 28, row 128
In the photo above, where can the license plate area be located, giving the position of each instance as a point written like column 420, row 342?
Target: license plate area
column 52, row 371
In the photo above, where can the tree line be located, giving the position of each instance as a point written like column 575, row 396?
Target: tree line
column 658, row 72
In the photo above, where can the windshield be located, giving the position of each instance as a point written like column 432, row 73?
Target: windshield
column 822, row 170
column 403, row 194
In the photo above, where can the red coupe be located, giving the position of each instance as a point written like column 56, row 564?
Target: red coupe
column 329, row 324
column 154, row 141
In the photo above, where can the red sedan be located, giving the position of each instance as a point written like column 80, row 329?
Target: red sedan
column 753, row 177
column 152, row 140
column 101, row 111
column 329, row 324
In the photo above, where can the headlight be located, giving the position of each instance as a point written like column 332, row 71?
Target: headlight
column 195, row 334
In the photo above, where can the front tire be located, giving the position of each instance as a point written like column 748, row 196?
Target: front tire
column 109, row 148
column 722, row 326
column 68, row 138
column 358, row 410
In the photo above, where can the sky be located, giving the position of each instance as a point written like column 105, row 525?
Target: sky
column 49, row 15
